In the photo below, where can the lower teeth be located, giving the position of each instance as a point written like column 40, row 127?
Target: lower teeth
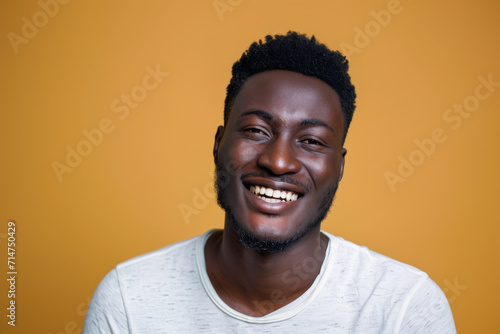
column 271, row 200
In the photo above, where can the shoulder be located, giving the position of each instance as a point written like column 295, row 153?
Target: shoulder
column 404, row 297
column 106, row 311
column 169, row 257
column 365, row 265
column 138, row 279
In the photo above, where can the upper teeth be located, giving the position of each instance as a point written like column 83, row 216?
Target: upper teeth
column 273, row 195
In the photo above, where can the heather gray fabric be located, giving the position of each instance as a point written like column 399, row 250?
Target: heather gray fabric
column 357, row 291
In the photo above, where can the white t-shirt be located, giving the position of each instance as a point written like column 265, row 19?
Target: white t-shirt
column 357, row 291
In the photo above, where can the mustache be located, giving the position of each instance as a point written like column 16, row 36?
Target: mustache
column 282, row 178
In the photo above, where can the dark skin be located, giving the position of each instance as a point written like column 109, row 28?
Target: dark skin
column 284, row 132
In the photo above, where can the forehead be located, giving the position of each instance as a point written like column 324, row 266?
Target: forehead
column 289, row 95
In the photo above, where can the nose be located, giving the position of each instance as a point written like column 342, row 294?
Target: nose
column 279, row 157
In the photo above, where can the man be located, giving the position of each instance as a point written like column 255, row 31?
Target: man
column 279, row 158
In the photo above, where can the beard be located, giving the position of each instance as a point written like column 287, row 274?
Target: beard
column 259, row 244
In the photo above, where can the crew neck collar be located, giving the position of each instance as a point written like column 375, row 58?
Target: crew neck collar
column 283, row 313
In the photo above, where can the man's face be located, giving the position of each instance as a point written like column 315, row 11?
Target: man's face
column 280, row 157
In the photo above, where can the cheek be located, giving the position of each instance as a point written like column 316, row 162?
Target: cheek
column 324, row 172
column 237, row 154
column 247, row 152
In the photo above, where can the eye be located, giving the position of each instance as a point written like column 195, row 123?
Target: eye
column 255, row 130
column 255, row 133
column 310, row 141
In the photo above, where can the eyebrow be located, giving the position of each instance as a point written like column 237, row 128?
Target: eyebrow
column 259, row 113
column 317, row 122
column 308, row 121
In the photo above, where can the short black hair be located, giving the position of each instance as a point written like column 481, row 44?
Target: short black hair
column 296, row 53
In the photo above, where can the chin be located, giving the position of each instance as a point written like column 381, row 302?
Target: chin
column 270, row 242
column 273, row 239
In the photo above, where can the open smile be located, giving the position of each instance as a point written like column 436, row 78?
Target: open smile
column 271, row 195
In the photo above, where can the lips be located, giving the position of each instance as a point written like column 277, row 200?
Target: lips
column 271, row 195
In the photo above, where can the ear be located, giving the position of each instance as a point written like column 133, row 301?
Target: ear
column 218, row 138
column 344, row 152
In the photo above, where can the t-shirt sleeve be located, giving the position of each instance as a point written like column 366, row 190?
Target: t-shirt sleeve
column 106, row 313
column 428, row 311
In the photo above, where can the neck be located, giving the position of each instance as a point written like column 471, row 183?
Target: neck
column 256, row 283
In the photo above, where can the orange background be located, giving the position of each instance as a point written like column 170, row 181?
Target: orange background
column 125, row 197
